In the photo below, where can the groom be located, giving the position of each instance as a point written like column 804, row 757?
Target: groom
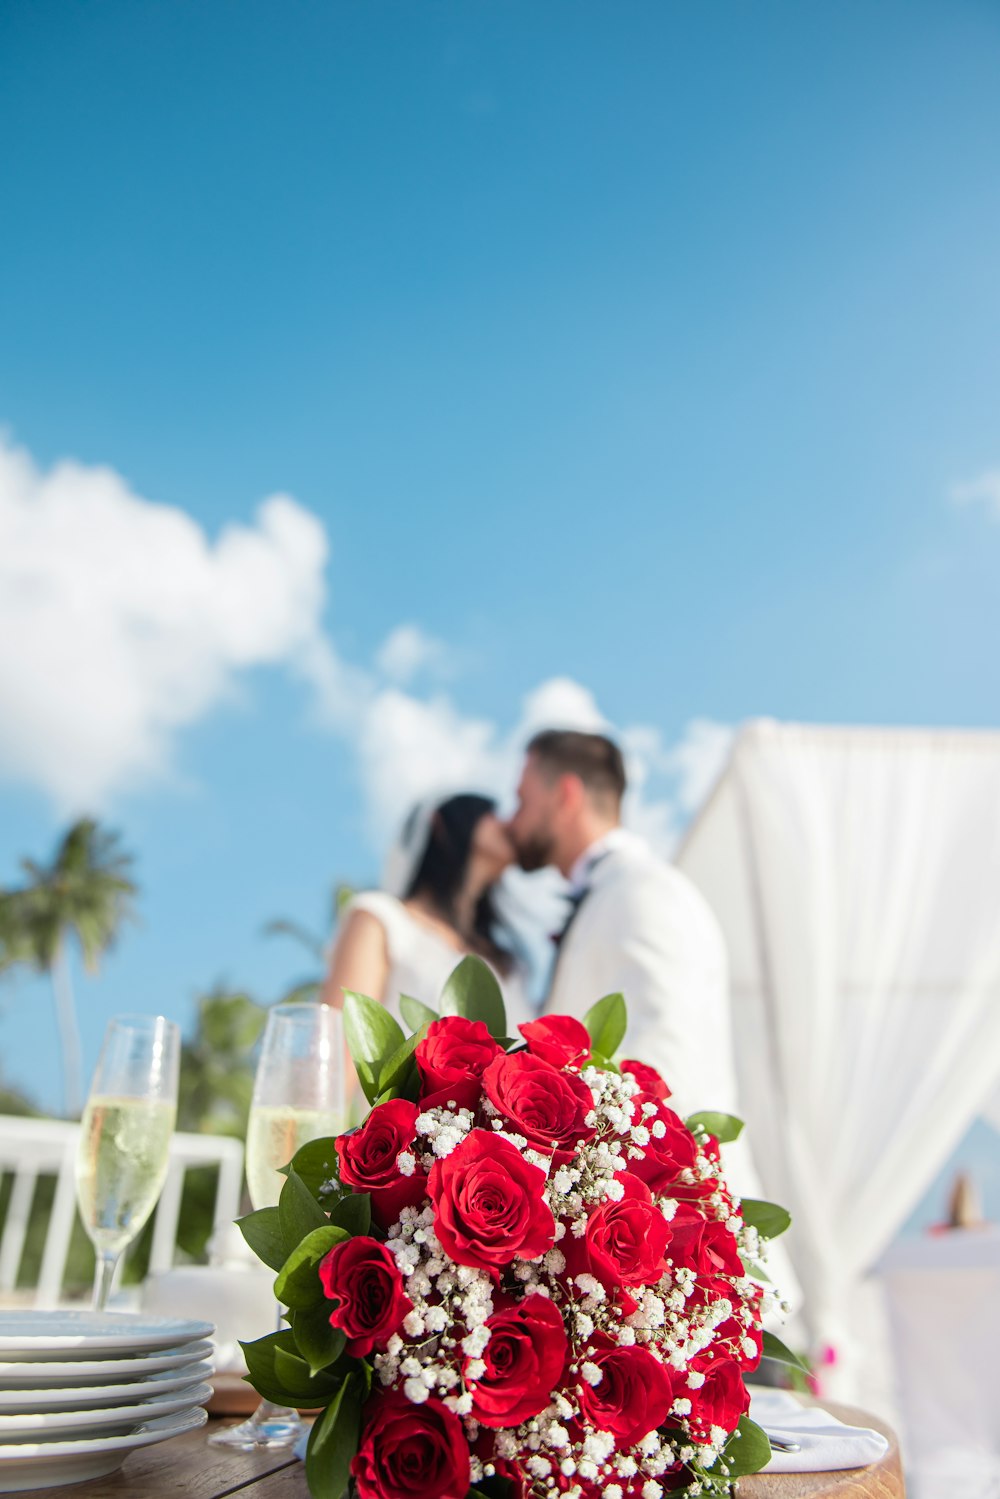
column 635, row 925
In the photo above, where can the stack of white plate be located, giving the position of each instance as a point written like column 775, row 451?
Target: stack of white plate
column 79, row 1391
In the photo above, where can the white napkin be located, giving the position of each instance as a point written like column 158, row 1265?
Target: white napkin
column 824, row 1442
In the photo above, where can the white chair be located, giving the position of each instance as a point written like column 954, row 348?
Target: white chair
column 30, row 1148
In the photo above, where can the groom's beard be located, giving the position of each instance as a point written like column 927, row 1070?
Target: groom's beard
column 534, row 853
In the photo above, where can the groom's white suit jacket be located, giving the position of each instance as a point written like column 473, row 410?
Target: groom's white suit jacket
column 642, row 929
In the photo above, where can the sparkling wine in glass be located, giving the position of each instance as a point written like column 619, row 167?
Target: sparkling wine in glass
column 125, row 1137
column 298, row 1096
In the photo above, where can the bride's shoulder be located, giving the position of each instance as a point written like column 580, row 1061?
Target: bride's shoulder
column 378, row 903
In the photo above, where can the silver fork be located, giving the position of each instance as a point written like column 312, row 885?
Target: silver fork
column 779, row 1446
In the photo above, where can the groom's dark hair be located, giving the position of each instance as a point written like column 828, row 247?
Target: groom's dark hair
column 596, row 759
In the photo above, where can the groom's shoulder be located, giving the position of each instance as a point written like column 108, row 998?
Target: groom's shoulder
column 636, row 867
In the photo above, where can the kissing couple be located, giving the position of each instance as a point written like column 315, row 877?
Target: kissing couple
column 634, row 924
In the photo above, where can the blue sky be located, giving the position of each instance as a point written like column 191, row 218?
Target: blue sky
column 652, row 349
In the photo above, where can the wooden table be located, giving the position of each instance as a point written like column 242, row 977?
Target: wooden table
column 188, row 1468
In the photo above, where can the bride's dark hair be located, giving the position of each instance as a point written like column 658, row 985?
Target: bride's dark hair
column 442, row 869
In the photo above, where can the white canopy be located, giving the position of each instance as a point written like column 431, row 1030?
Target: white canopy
column 856, row 874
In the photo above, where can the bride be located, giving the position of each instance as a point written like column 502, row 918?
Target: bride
column 438, row 903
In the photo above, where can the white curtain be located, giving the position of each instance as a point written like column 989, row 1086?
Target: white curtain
column 856, row 874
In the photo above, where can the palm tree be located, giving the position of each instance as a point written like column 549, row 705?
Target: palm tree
column 85, row 893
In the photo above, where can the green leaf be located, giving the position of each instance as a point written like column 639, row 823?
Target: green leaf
column 353, row 1212
column 603, row 1064
column 372, row 1036
column 278, row 1373
column 396, row 1069
column 293, row 1374
column 747, row 1450
column 767, row 1218
column 316, row 1162
column 724, row 1127
column 333, row 1442
column 782, row 1354
column 606, row 1022
column 319, row 1344
column 262, row 1231
column 298, row 1283
column 416, row 1014
column 472, row 990
column 298, row 1211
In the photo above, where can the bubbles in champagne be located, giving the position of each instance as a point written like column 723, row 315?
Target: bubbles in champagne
column 274, row 1133
column 121, row 1166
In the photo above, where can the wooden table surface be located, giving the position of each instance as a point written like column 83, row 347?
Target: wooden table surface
column 188, row 1468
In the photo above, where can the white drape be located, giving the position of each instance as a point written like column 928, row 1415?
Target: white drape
column 856, row 874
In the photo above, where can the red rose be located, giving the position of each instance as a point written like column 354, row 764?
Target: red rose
column 720, row 1401
column 362, row 1278
column 647, row 1077
column 524, row 1362
column 452, row 1058
column 368, row 1157
column 626, row 1241
column 489, row 1204
column 558, row 1039
column 633, row 1396
column 666, row 1155
column 544, row 1105
column 702, row 1244
column 411, row 1451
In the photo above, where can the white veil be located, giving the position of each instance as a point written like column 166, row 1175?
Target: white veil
column 405, row 855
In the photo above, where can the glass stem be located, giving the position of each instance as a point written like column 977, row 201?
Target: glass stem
column 104, row 1274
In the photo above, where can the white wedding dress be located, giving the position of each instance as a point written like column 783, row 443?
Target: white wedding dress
column 420, row 961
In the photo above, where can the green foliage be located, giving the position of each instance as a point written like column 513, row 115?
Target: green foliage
column 416, row 1014
column 353, row 1212
column 747, row 1450
column 86, row 891
column 767, row 1218
column 604, row 1064
column 319, row 1344
column 725, row 1127
column 298, row 1211
column 316, row 1163
column 606, row 1022
column 263, row 1232
column 333, row 1442
column 84, row 894
column 775, row 1349
column 372, row 1035
column 277, row 1372
column 472, row 990
column 298, row 1285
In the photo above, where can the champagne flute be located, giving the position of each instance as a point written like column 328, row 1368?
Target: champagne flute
column 125, row 1137
column 298, row 1096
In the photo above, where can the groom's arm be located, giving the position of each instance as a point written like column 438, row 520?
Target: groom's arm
column 671, row 968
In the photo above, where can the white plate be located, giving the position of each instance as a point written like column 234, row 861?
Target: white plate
column 58, row 1335
column 75, row 1397
column 98, row 1370
column 45, row 1425
column 39, row 1465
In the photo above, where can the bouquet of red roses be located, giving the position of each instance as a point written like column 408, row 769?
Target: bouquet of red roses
column 522, row 1275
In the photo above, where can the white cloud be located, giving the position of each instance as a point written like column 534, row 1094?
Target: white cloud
column 121, row 623
column 408, row 651
column 984, row 490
